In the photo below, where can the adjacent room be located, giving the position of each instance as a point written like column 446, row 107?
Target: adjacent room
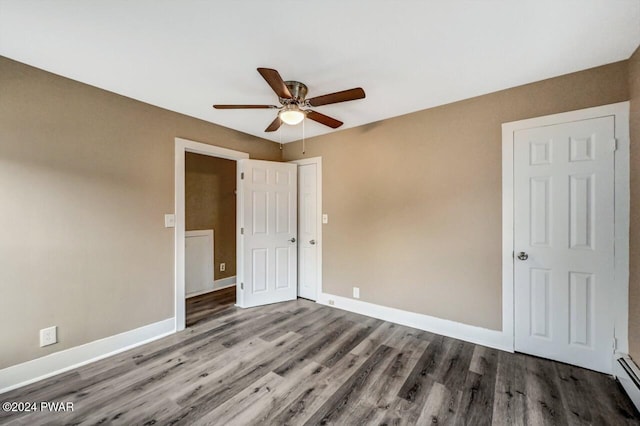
column 210, row 235
column 350, row 213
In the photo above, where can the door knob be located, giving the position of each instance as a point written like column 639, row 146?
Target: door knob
column 523, row 256
column 312, row 242
column 292, row 240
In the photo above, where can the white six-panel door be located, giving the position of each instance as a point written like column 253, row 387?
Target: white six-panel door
column 269, row 239
column 564, row 241
column 308, row 231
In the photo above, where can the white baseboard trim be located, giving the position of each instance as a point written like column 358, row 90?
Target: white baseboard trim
column 628, row 378
column 224, row 283
column 481, row 336
column 217, row 285
column 58, row 362
column 226, row 286
column 213, row 290
column 199, row 293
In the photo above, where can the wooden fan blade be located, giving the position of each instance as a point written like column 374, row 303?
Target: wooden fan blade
column 275, row 125
column 275, row 81
column 245, row 106
column 324, row 119
column 334, row 98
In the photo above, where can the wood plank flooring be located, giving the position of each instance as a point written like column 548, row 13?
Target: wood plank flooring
column 299, row 363
column 200, row 308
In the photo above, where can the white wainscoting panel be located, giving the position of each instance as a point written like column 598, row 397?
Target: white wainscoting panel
column 198, row 261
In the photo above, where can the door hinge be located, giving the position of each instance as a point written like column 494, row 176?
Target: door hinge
column 615, row 344
column 241, row 231
column 241, row 286
column 614, row 144
column 242, row 176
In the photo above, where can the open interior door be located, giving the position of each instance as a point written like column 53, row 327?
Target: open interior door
column 267, row 252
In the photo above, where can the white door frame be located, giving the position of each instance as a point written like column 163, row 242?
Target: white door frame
column 620, row 112
column 318, row 162
column 182, row 147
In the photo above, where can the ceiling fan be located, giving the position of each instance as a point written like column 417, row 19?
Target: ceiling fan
column 292, row 97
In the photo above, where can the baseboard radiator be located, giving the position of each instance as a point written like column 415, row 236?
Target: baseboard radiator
column 628, row 374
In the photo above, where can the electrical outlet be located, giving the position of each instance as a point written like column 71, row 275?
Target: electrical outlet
column 331, row 302
column 356, row 292
column 223, row 266
column 48, row 336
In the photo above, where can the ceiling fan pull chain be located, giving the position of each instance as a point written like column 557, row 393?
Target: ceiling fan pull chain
column 303, row 147
column 280, row 134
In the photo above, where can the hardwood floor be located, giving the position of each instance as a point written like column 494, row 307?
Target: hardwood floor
column 199, row 308
column 299, row 363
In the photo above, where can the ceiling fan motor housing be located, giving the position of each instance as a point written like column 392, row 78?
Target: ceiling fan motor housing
column 298, row 91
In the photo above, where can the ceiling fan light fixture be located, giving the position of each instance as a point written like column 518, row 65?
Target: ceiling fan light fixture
column 291, row 115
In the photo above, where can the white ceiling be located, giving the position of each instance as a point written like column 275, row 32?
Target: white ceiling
column 408, row 55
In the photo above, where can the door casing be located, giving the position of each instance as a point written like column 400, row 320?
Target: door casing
column 620, row 112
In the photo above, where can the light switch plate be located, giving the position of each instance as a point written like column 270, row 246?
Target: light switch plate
column 325, row 218
column 169, row 220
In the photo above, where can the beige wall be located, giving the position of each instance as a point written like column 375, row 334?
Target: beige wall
column 85, row 179
column 210, row 203
column 634, row 237
column 414, row 202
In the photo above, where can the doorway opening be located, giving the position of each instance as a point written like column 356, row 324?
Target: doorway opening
column 210, row 235
column 183, row 148
column 266, row 232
